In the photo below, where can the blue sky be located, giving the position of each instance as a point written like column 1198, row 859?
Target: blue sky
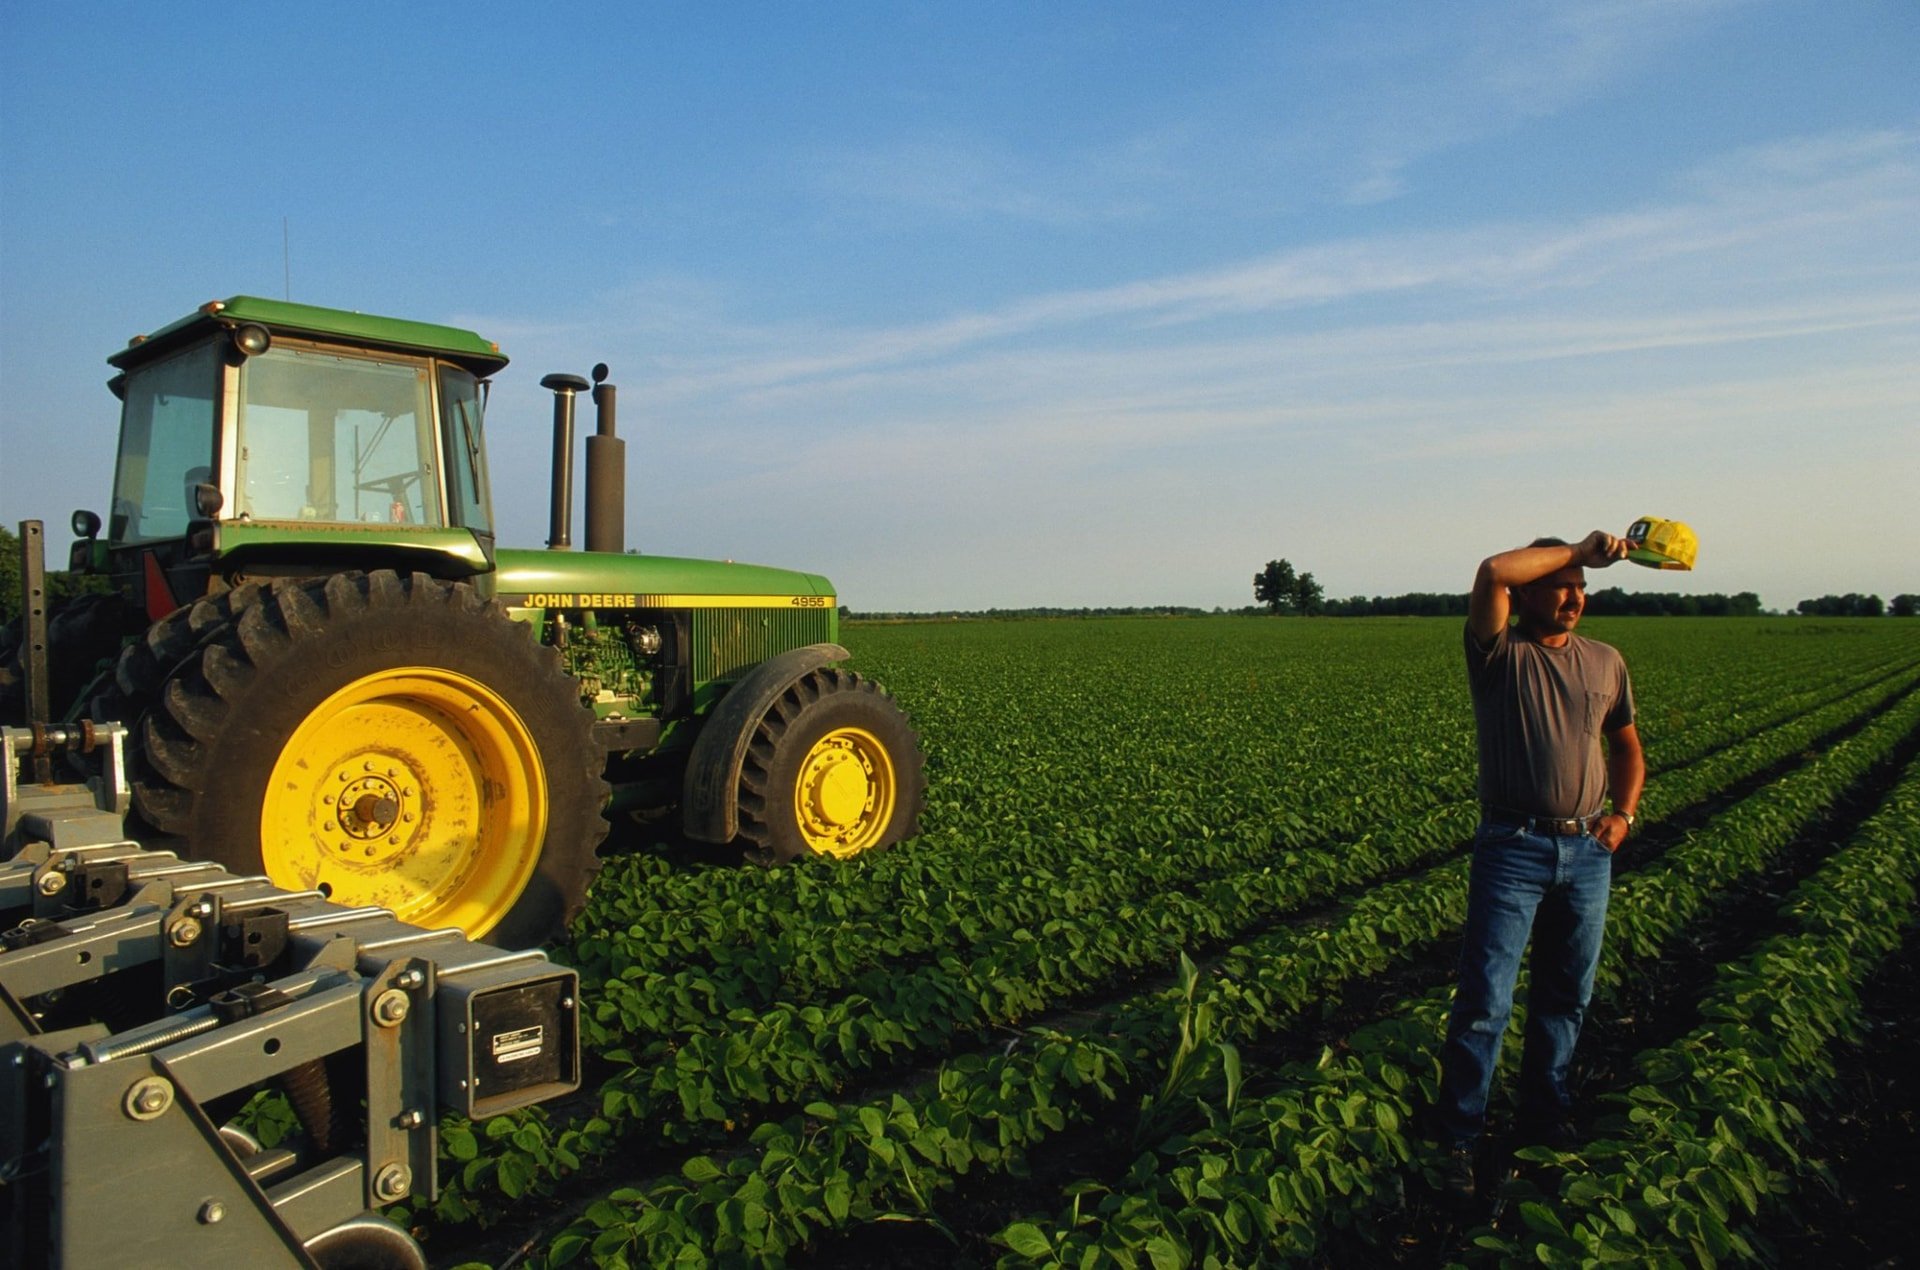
column 1009, row 304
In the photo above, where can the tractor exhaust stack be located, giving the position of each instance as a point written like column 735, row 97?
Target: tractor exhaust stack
column 606, row 473
column 564, row 388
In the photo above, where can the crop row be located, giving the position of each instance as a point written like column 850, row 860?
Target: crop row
column 1715, row 1125
column 1172, row 812
column 711, row 1194
column 740, row 1062
column 678, row 1008
column 1334, row 1138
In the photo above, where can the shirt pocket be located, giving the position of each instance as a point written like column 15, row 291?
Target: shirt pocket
column 1598, row 704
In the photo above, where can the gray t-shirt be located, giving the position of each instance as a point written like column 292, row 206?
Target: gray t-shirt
column 1540, row 713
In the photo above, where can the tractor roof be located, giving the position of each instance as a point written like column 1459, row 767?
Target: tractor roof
column 482, row 357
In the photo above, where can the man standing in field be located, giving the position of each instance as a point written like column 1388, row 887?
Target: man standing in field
column 1543, row 698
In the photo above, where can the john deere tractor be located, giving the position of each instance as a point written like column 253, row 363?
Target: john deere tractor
column 334, row 676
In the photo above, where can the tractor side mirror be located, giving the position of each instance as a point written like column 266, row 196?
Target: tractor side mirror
column 86, row 528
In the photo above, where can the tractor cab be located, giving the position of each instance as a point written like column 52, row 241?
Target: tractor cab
column 266, row 437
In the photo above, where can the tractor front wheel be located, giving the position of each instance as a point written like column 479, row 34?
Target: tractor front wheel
column 389, row 741
column 834, row 770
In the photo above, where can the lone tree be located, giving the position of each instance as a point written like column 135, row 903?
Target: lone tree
column 1274, row 586
column 1283, row 591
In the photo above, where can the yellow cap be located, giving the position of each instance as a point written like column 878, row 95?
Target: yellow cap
column 1662, row 544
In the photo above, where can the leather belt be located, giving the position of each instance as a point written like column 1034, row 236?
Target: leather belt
column 1541, row 824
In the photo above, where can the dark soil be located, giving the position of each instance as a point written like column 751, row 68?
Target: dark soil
column 1869, row 1139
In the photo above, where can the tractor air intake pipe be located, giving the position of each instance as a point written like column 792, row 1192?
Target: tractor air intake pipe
column 606, row 474
column 563, row 388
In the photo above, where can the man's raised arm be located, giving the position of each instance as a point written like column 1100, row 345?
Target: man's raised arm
column 1488, row 605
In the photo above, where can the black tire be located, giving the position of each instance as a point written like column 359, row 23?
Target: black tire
column 794, row 746
column 82, row 632
column 146, row 662
column 415, row 676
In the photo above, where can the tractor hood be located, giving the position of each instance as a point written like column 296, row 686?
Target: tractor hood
column 598, row 580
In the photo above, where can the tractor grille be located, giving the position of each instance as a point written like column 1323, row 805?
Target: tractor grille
column 727, row 642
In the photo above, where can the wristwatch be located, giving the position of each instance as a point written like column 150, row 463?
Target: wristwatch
column 1627, row 816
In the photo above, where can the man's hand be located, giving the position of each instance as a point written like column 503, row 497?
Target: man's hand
column 1600, row 549
column 1611, row 831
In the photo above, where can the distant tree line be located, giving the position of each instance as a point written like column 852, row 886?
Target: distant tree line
column 1854, row 604
column 955, row 615
column 1612, row 602
column 1615, row 602
column 1283, row 590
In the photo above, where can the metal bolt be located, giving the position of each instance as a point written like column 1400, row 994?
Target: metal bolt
column 566, row 1003
column 412, row 1118
column 212, row 1211
column 183, row 932
column 52, row 882
column 392, row 1183
column 148, row 1098
column 410, row 979
column 390, row 1008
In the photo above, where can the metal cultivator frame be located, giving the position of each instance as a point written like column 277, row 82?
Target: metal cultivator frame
column 145, row 998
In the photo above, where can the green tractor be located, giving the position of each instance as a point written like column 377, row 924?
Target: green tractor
column 335, row 677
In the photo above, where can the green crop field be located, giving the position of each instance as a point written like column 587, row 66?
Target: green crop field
column 1162, row 980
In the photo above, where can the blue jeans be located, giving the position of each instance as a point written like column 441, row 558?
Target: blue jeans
column 1554, row 888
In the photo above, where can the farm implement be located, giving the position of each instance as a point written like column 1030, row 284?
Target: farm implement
column 145, row 999
column 331, row 674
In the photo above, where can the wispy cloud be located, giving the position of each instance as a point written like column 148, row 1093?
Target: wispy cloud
column 1461, row 76
column 1740, row 202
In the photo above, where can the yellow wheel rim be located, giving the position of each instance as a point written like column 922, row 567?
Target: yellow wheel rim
column 844, row 796
column 415, row 789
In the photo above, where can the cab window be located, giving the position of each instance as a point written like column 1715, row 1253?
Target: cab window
column 460, row 407
column 329, row 436
column 166, row 445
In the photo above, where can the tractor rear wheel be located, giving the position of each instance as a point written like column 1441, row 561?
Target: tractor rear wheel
column 834, row 770
column 147, row 661
column 390, row 741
